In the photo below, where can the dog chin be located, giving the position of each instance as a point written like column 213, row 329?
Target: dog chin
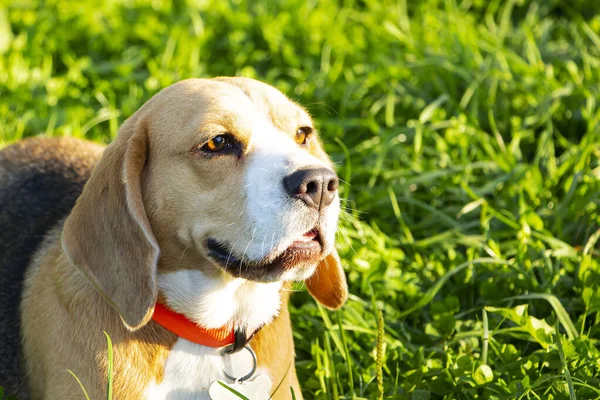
column 298, row 274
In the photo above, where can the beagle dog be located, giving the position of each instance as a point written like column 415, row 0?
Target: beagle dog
column 179, row 240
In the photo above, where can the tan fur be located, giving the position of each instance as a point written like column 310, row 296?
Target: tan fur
column 76, row 315
column 118, row 238
column 279, row 359
column 141, row 198
column 328, row 284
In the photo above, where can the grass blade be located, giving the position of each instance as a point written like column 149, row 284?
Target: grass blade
column 484, row 351
column 430, row 109
column 333, row 370
column 379, row 364
column 80, row 384
column 232, row 390
column 563, row 361
column 348, row 359
column 109, row 383
column 282, row 379
column 560, row 311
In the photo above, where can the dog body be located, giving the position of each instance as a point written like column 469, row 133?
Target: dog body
column 149, row 363
column 40, row 179
column 213, row 196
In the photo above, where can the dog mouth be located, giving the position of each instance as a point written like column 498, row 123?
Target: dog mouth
column 304, row 252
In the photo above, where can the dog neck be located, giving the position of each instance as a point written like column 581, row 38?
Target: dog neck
column 234, row 339
column 221, row 301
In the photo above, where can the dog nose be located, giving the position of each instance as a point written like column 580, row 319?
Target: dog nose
column 316, row 187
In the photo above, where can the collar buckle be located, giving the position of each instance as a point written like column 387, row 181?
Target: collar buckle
column 239, row 341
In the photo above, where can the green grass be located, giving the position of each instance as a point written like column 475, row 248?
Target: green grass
column 467, row 134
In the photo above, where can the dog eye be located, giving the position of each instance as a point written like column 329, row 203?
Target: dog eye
column 302, row 135
column 217, row 144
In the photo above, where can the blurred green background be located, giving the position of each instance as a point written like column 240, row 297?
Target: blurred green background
column 467, row 134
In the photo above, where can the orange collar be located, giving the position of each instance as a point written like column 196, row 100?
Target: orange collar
column 183, row 327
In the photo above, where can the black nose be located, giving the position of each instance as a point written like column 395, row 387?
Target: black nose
column 316, row 187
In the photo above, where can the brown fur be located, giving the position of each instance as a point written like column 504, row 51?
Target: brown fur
column 40, row 179
column 326, row 285
column 118, row 223
column 139, row 199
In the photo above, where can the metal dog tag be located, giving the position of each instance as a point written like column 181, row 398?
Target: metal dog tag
column 258, row 388
column 239, row 366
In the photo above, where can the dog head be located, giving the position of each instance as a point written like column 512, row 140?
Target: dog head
column 226, row 176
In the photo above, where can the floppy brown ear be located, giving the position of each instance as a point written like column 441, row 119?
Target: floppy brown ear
column 328, row 284
column 108, row 236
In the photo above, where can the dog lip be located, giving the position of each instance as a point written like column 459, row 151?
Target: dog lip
column 220, row 252
column 311, row 239
column 299, row 252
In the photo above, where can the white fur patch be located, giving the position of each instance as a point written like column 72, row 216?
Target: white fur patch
column 189, row 371
column 210, row 302
column 217, row 302
column 275, row 219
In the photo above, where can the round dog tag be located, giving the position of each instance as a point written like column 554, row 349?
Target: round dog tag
column 258, row 388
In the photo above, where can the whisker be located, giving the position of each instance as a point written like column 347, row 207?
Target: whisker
column 349, row 242
column 326, row 107
column 262, row 246
column 247, row 247
column 272, row 239
column 183, row 253
column 290, row 290
column 232, row 247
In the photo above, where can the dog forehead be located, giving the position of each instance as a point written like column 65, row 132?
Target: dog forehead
column 187, row 99
column 283, row 113
column 232, row 93
column 237, row 103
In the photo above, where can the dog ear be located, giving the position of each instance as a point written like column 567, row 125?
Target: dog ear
column 328, row 284
column 108, row 237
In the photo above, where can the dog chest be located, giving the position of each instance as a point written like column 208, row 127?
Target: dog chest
column 190, row 369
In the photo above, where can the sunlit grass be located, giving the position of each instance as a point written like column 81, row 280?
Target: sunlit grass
column 467, row 134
